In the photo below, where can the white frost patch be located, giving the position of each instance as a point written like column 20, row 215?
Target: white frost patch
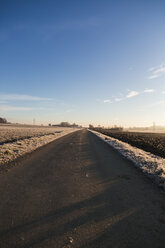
column 152, row 165
column 11, row 151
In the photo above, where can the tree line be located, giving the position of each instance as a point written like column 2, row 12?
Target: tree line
column 3, row 120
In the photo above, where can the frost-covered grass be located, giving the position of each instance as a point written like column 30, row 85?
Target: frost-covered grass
column 9, row 133
column 39, row 136
column 153, row 166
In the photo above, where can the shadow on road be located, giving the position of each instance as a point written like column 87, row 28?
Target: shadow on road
column 90, row 212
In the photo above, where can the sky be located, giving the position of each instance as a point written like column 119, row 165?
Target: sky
column 99, row 62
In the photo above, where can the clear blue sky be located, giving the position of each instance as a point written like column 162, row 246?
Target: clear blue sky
column 90, row 61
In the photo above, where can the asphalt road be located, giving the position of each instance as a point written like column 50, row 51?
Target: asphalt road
column 78, row 192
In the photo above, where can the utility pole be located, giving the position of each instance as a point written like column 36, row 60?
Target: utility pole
column 154, row 126
column 34, row 121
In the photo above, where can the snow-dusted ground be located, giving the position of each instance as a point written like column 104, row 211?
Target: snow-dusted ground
column 12, row 132
column 153, row 166
column 13, row 150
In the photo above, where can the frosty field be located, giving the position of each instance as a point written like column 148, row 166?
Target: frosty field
column 17, row 140
column 10, row 133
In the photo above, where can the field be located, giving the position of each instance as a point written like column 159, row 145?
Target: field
column 17, row 140
column 12, row 133
column 150, row 142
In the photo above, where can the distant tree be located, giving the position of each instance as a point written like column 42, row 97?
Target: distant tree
column 116, row 129
column 91, row 126
column 3, row 120
column 74, row 125
column 65, row 124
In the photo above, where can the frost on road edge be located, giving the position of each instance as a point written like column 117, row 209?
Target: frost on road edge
column 11, row 151
column 153, row 166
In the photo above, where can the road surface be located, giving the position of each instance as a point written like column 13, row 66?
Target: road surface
column 78, row 192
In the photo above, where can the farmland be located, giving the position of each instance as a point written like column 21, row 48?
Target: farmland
column 149, row 142
column 17, row 140
column 12, row 133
